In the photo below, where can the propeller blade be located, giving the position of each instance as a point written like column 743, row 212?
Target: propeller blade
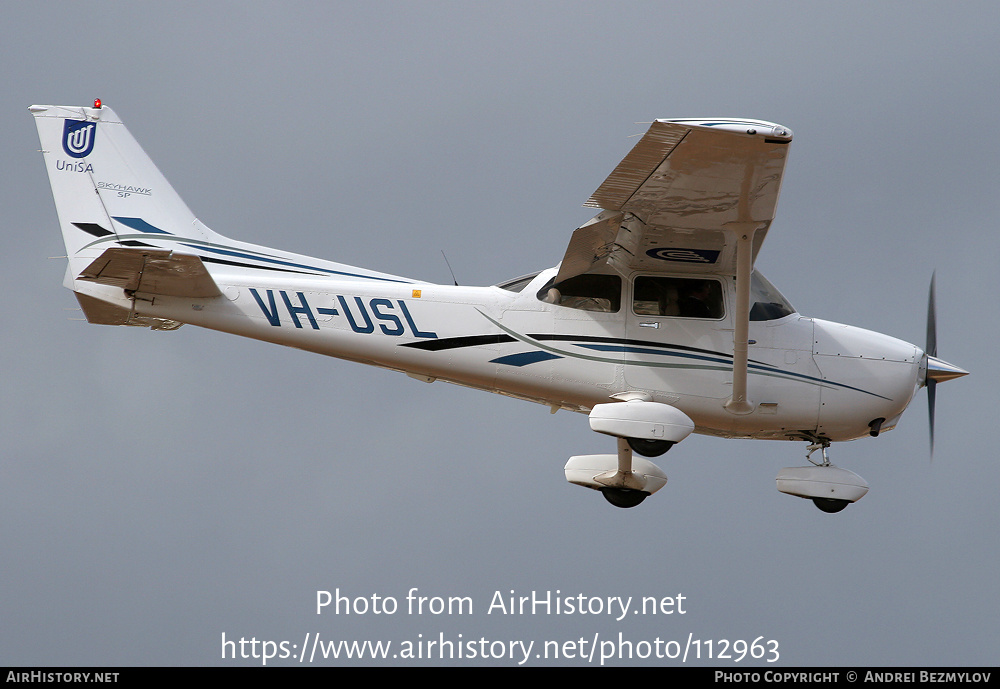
column 931, row 348
column 931, row 395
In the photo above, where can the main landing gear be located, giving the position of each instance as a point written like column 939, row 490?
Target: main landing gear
column 623, row 479
column 623, row 497
column 649, row 429
column 830, row 488
column 649, row 448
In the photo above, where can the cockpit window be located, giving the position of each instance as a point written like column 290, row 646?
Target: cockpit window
column 768, row 304
column 671, row 296
column 517, row 284
column 586, row 292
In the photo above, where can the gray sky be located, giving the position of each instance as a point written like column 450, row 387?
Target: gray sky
column 161, row 489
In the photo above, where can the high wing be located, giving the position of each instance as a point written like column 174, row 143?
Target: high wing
column 681, row 197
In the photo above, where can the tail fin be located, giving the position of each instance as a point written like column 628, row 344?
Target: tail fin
column 106, row 189
column 112, row 201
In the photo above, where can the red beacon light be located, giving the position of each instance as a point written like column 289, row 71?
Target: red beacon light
column 97, row 103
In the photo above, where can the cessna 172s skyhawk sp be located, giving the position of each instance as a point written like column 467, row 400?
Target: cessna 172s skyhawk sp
column 655, row 323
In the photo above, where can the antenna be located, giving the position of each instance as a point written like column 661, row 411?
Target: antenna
column 449, row 268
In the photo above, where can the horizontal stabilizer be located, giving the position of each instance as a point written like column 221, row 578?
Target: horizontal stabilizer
column 103, row 313
column 152, row 271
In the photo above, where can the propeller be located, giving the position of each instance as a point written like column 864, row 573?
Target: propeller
column 931, row 351
column 938, row 370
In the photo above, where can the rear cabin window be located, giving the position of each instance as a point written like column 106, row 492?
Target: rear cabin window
column 683, row 297
column 585, row 292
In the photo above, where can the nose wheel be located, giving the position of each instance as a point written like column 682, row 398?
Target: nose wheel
column 830, row 505
column 829, row 487
column 821, row 446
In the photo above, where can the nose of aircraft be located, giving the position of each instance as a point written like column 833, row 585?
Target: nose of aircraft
column 939, row 370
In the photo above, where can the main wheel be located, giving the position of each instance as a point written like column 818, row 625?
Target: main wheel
column 830, row 505
column 649, row 448
column 623, row 497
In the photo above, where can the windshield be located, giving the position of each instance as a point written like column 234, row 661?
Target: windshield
column 768, row 304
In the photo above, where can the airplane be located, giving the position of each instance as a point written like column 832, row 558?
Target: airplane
column 655, row 324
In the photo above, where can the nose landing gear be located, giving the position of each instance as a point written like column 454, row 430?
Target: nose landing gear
column 830, row 488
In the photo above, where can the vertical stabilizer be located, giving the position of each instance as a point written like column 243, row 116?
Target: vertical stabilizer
column 106, row 189
column 109, row 195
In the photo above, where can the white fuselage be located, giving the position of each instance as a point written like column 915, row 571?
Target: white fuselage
column 807, row 378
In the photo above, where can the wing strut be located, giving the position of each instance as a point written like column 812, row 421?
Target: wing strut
column 738, row 403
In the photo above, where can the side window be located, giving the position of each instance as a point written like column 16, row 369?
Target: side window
column 587, row 292
column 684, row 297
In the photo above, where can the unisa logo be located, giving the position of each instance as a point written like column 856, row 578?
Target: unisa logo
column 78, row 138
